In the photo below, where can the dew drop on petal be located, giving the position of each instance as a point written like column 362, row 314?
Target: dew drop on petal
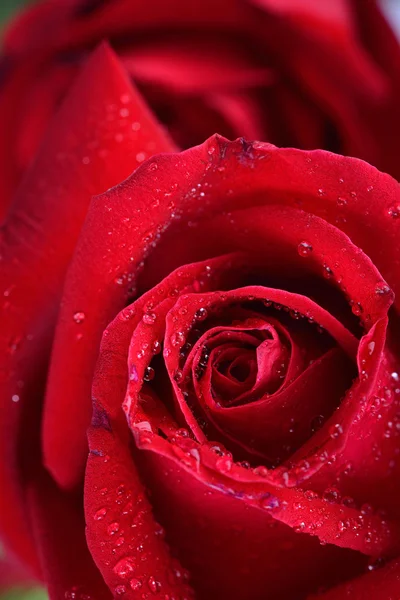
column 382, row 289
column 113, row 528
column 201, row 314
column 177, row 338
column 135, row 584
column 178, row 376
column 154, row 585
column 124, row 567
column 100, row 514
column 120, row 590
column 224, row 464
column 149, row 318
column 261, row 471
column 331, row 495
column 149, row 374
column 79, row 317
column 304, row 249
column 156, row 347
column 336, row 431
column 394, row 211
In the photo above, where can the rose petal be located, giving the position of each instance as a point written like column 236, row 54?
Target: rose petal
column 37, row 242
column 125, row 541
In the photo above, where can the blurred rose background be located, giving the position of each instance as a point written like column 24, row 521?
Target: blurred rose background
column 12, row 586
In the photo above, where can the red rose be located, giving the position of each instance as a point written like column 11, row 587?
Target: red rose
column 244, row 440
column 308, row 74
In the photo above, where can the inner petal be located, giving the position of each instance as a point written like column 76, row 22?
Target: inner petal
column 253, row 350
column 271, row 357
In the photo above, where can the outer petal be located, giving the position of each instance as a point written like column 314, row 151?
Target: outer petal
column 125, row 540
column 89, row 148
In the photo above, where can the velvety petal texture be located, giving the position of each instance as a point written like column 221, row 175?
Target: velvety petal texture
column 303, row 74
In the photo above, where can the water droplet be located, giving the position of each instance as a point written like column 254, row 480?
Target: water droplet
column 395, row 376
column 177, row 338
column 331, row 495
column 156, row 347
column 154, row 585
column 120, row 590
column 317, row 422
column 113, row 528
column 341, row 201
column 121, row 490
column 79, row 317
column 304, row 249
column 15, row 398
column 336, row 431
column 394, row 211
column 149, row 318
column 149, row 374
column 178, row 376
column 224, row 464
column 100, row 514
column 135, row 584
column 124, row 567
column 356, row 309
column 382, row 288
column 342, row 526
column 328, row 273
column 261, row 471
column 201, row 314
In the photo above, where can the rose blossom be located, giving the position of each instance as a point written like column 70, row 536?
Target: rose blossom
column 221, row 326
